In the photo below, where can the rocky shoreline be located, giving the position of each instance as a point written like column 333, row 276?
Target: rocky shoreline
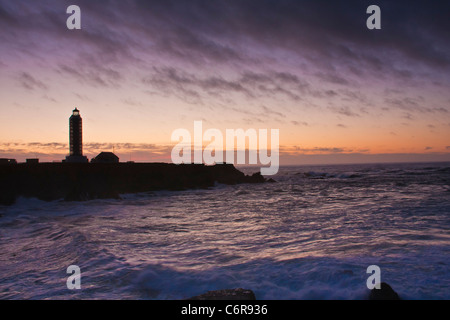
column 384, row 293
column 86, row 181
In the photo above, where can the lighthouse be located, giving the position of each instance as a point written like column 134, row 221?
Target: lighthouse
column 76, row 138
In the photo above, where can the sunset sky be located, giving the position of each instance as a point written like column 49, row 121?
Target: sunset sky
column 138, row 70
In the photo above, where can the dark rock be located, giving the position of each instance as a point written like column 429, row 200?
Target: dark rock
column 384, row 293
column 226, row 294
column 270, row 180
column 7, row 197
column 254, row 178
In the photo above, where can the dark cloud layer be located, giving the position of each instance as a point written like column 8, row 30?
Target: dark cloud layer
column 218, row 31
column 201, row 50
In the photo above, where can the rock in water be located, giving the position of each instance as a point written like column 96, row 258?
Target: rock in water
column 227, row 294
column 254, row 178
column 385, row 293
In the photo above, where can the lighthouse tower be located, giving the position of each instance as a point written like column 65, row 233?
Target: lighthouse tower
column 76, row 138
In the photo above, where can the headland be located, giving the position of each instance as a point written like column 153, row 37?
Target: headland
column 87, row 181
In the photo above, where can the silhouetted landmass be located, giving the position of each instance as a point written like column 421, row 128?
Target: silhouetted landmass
column 384, row 293
column 226, row 294
column 86, row 181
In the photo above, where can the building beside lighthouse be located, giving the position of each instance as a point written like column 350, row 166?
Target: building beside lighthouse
column 76, row 138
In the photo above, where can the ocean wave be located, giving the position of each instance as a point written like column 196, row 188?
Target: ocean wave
column 293, row 279
column 309, row 236
column 327, row 175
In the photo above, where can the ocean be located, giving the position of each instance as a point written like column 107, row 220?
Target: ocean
column 310, row 235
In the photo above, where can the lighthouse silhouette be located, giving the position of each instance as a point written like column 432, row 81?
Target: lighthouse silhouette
column 76, row 138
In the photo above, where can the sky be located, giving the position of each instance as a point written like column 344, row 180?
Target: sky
column 138, row 70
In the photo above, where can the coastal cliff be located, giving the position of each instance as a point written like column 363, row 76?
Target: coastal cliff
column 85, row 181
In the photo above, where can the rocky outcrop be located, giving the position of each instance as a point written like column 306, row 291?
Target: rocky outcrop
column 85, row 181
column 226, row 294
column 7, row 196
column 254, row 178
column 384, row 293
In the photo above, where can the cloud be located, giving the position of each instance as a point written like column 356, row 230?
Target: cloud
column 269, row 111
column 408, row 116
column 250, row 85
column 299, row 123
column 439, row 110
column 315, row 150
column 51, row 145
column 48, row 98
column 51, row 151
column 218, row 52
column 260, row 59
column 183, row 43
column 126, row 146
column 86, row 145
column 333, row 78
column 416, row 104
column 97, row 77
column 132, row 102
column 345, row 111
column 29, row 82
column 220, row 31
